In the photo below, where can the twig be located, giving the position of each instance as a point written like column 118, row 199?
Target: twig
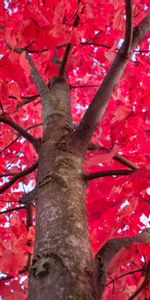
column 20, row 130
column 67, row 51
column 125, row 274
column 91, row 176
column 7, row 174
column 83, row 86
column 144, row 283
column 12, row 209
column 18, row 176
column 8, row 277
column 10, row 144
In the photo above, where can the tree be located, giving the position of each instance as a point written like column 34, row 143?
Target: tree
column 85, row 65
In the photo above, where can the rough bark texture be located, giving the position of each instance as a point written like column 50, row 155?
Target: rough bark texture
column 63, row 266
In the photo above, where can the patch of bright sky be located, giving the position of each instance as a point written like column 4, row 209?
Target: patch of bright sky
column 148, row 191
column 124, row 204
column 145, row 220
column 9, row 10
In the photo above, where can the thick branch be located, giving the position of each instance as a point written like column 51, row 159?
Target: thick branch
column 18, row 176
column 46, row 96
column 98, row 105
column 29, row 197
column 91, row 176
column 111, row 248
column 38, row 80
column 21, row 131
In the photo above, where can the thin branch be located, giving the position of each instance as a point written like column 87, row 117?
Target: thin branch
column 125, row 161
column 38, row 79
column 18, row 176
column 91, row 176
column 143, row 284
column 64, row 61
column 8, row 277
column 83, row 86
column 49, row 103
column 68, row 50
column 20, row 130
column 124, row 275
column 27, row 100
column 129, row 29
column 95, row 44
column 109, row 47
column 7, row 174
column 36, row 51
column 99, row 103
column 12, row 209
column 10, row 144
column 121, row 159
column 29, row 222
column 2, row 109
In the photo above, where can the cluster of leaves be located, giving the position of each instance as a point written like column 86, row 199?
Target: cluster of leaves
column 117, row 205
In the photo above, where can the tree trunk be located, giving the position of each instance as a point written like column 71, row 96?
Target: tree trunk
column 63, row 266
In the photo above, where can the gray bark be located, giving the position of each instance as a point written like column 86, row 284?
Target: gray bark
column 63, row 265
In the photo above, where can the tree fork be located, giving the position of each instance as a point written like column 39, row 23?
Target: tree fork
column 63, row 266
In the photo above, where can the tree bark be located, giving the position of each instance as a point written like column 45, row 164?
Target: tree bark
column 63, row 267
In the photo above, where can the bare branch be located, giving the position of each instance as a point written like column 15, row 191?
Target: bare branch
column 91, row 176
column 121, row 159
column 20, row 130
column 36, row 51
column 27, row 100
column 8, row 277
column 111, row 248
column 12, row 209
column 125, row 274
column 29, row 197
column 38, row 80
column 68, row 50
column 7, row 174
column 10, row 144
column 18, row 176
column 143, row 284
column 64, row 61
column 98, row 105
column 83, row 86
column 129, row 29
column 125, row 161
column 49, row 103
